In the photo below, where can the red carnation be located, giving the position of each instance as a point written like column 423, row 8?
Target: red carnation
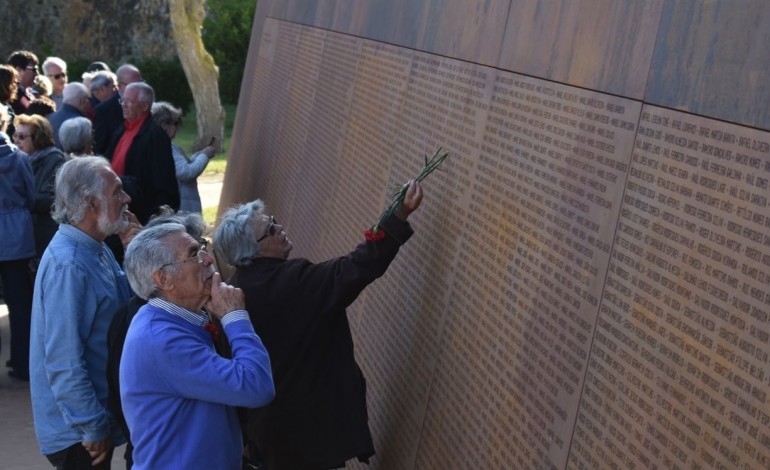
column 212, row 328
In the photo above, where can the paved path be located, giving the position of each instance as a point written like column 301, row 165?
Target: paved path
column 18, row 447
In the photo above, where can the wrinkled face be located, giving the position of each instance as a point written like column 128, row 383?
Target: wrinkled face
column 22, row 137
column 273, row 241
column 58, row 78
column 194, row 269
column 133, row 106
column 113, row 205
column 27, row 74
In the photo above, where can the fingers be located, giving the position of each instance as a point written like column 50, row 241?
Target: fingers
column 132, row 218
column 224, row 297
column 216, row 279
column 99, row 458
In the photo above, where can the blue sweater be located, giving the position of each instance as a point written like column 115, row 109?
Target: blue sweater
column 179, row 395
column 78, row 288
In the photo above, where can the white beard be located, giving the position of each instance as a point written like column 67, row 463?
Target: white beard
column 111, row 228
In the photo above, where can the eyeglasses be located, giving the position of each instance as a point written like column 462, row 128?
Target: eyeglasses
column 128, row 101
column 58, row 75
column 197, row 256
column 18, row 136
column 270, row 230
column 32, row 67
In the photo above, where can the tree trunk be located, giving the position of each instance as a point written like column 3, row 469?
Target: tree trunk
column 202, row 73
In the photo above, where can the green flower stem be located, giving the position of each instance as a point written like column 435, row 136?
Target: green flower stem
column 398, row 196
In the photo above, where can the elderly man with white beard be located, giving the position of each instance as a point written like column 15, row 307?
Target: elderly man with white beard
column 78, row 287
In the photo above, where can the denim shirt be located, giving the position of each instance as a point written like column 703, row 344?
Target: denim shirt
column 78, row 289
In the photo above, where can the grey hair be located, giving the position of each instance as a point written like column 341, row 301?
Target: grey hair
column 75, row 135
column 146, row 93
column 164, row 112
column 76, row 181
column 54, row 61
column 101, row 79
column 193, row 222
column 73, row 93
column 147, row 253
column 235, row 241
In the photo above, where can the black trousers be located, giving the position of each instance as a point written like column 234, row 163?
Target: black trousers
column 76, row 457
column 17, row 291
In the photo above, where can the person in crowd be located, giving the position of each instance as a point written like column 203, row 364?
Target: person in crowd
column 17, row 193
column 116, row 337
column 25, row 63
column 140, row 153
column 9, row 86
column 34, row 136
column 177, row 392
column 318, row 419
column 76, row 137
column 78, row 288
column 109, row 113
column 98, row 66
column 55, row 69
column 43, row 87
column 75, row 104
column 103, row 86
column 169, row 118
column 42, row 106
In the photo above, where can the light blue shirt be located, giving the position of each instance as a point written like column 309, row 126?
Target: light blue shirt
column 78, row 288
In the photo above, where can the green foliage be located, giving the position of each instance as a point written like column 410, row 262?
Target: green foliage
column 168, row 80
column 226, row 34
column 188, row 132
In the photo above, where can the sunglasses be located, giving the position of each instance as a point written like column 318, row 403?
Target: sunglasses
column 270, row 230
column 57, row 76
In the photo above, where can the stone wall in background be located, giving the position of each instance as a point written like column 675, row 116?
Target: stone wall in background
column 587, row 285
column 109, row 30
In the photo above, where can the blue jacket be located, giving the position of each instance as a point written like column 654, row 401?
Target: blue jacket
column 65, row 112
column 17, row 192
column 78, row 288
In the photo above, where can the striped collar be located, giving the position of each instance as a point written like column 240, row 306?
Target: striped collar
column 196, row 318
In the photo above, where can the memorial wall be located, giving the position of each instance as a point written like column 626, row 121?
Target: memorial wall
column 587, row 286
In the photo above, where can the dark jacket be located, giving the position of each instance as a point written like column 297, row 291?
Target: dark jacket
column 116, row 338
column 150, row 176
column 318, row 418
column 67, row 111
column 45, row 162
column 108, row 116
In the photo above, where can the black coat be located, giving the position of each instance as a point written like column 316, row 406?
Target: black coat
column 108, row 116
column 45, row 164
column 150, row 175
column 318, row 418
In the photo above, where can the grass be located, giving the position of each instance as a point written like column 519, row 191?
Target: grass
column 188, row 132
column 186, row 135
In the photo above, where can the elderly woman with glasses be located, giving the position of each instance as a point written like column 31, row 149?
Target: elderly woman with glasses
column 319, row 417
column 34, row 136
column 187, row 168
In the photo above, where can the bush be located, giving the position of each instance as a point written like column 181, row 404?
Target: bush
column 226, row 34
column 168, row 80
